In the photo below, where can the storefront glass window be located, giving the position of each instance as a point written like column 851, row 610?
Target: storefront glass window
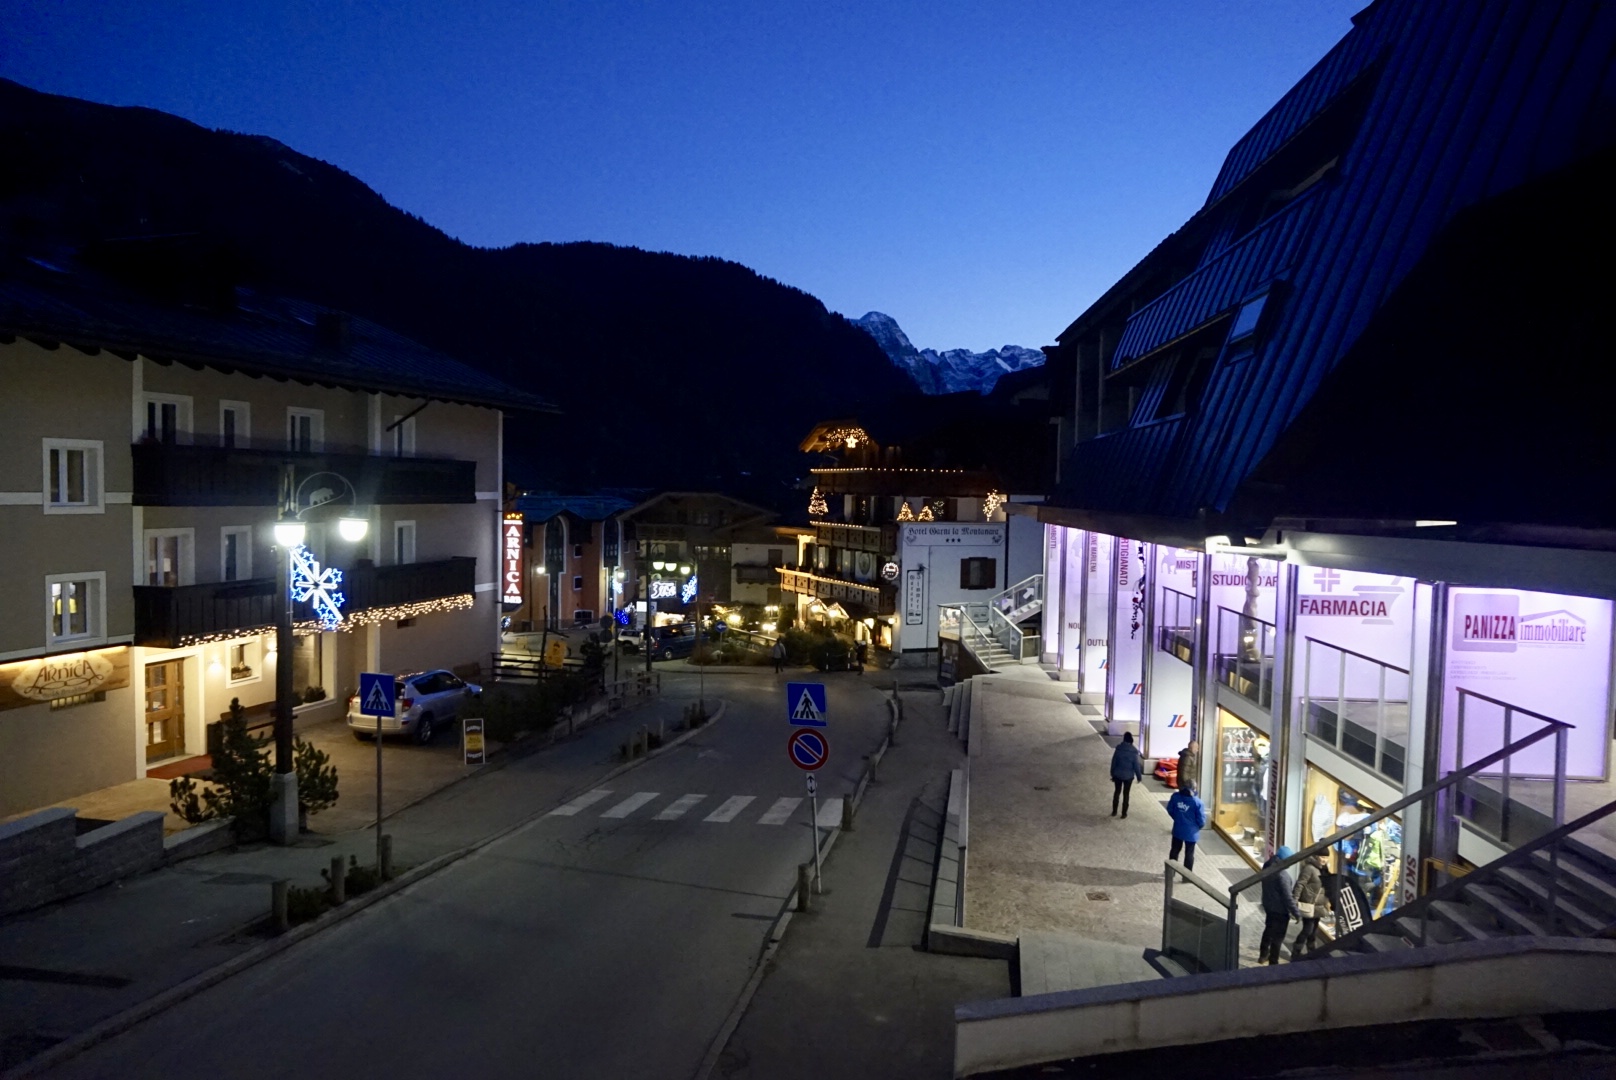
column 1243, row 808
column 306, row 678
column 1368, row 861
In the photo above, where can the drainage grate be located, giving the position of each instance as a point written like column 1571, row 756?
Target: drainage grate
column 1098, row 895
column 1040, row 787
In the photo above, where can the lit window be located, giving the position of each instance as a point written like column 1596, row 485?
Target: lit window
column 72, row 476
column 244, row 661
column 73, row 607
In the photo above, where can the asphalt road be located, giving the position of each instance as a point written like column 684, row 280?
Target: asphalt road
column 607, row 942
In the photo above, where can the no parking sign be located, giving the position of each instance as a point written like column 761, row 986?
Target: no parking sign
column 808, row 749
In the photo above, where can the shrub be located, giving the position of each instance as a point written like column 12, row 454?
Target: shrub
column 316, row 777
column 304, row 904
column 241, row 784
column 358, row 879
column 831, row 654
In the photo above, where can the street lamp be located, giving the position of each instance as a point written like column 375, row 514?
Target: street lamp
column 290, row 533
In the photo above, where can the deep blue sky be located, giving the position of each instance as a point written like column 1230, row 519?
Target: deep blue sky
column 979, row 171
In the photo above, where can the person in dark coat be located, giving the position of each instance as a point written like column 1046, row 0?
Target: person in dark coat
column 778, row 655
column 1189, row 764
column 1279, row 908
column 1310, row 890
column 1189, row 817
column 861, row 650
column 1126, row 767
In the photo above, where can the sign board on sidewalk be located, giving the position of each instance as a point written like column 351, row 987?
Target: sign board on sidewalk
column 808, row 749
column 376, row 694
column 555, row 653
column 805, row 704
column 472, row 741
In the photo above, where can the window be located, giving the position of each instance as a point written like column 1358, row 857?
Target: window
column 403, row 432
column 73, row 610
column 577, row 551
column 403, row 542
column 979, row 573
column 305, row 429
column 168, row 418
column 235, row 423
column 168, row 557
column 577, row 584
column 235, row 553
column 777, row 556
column 243, row 657
column 72, row 476
column 1247, row 321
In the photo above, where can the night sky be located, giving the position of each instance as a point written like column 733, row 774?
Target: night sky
column 979, row 171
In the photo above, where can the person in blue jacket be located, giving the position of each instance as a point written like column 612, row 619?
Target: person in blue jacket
column 1126, row 767
column 1189, row 817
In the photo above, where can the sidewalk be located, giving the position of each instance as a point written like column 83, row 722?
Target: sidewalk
column 66, row 967
column 1049, row 864
column 850, row 994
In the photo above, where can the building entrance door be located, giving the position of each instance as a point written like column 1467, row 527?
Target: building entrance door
column 165, row 710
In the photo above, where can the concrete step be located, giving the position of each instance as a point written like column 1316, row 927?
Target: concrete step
column 1052, row 960
column 1582, row 877
column 1574, row 917
column 1502, row 907
column 1462, row 919
column 1384, row 943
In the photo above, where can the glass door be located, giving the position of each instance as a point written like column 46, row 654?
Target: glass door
column 165, row 710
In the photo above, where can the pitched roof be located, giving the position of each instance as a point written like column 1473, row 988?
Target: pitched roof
column 263, row 334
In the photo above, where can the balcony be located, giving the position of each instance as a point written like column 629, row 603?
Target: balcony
column 170, row 474
column 881, row 539
column 878, row 599
column 172, row 617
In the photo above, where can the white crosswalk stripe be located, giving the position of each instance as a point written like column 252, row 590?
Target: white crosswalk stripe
column 830, row 814
column 582, row 802
column 631, row 804
column 679, row 807
column 729, row 808
column 779, row 812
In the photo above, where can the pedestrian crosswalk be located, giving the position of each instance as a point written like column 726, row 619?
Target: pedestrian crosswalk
column 622, row 805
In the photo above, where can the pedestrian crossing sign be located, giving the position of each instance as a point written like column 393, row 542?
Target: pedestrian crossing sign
column 805, row 704
column 375, row 694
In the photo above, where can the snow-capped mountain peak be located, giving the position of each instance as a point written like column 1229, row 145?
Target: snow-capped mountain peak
column 946, row 372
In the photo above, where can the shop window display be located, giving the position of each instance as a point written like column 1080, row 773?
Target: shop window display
column 1244, row 804
column 1370, row 860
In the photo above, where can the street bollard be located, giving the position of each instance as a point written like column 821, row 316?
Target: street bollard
column 339, row 880
column 279, row 912
column 803, row 886
column 847, row 814
column 386, row 867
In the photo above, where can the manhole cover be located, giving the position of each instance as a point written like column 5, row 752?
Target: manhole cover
column 1040, row 787
column 1098, row 895
column 1007, row 723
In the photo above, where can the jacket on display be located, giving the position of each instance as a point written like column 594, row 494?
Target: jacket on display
column 1126, row 764
column 1188, row 814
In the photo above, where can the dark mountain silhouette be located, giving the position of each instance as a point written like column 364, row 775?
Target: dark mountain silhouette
column 672, row 371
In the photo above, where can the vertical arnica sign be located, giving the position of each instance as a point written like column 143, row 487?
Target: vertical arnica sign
column 510, row 546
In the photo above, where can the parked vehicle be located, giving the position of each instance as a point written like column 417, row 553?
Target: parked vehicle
column 673, row 642
column 630, row 638
column 423, row 704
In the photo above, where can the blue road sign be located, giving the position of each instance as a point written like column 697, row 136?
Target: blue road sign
column 375, row 694
column 808, row 749
column 805, row 704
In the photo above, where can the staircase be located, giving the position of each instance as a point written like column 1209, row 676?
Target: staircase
column 993, row 629
column 1557, row 886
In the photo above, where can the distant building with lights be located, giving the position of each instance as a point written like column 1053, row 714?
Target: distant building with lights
column 141, row 463
column 897, row 532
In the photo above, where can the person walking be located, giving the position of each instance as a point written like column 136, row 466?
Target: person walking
column 1189, row 817
column 1189, row 764
column 1312, row 901
column 1279, row 908
column 861, row 650
column 1126, row 767
column 779, row 655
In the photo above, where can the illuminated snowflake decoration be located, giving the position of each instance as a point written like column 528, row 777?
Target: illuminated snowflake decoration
column 318, row 585
column 687, row 591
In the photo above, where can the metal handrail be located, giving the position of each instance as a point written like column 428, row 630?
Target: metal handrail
column 1556, row 729
column 1359, row 655
column 1485, row 873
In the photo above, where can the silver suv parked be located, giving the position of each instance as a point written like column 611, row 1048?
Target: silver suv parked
column 424, row 703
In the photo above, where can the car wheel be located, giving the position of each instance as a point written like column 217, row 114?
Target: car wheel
column 424, row 733
column 667, row 654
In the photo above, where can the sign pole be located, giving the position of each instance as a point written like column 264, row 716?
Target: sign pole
column 378, row 793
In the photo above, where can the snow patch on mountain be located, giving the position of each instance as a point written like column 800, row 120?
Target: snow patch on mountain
column 950, row 371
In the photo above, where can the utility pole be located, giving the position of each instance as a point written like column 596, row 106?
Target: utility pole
column 283, row 806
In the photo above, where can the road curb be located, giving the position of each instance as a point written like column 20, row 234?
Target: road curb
column 782, row 921
column 174, row 995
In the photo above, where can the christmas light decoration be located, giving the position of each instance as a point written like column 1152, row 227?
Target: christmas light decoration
column 318, row 585
column 817, row 504
column 395, row 612
column 991, row 503
column 926, row 514
column 904, row 513
column 687, row 591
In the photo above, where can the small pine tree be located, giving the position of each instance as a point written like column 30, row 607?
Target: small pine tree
column 316, row 777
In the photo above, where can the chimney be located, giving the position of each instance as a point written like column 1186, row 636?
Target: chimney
column 333, row 329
